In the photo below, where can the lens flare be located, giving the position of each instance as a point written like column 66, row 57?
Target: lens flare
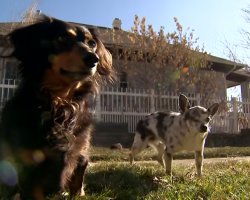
column 8, row 173
column 185, row 69
column 38, row 156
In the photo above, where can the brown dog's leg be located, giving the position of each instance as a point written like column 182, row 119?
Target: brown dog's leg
column 56, row 197
column 76, row 182
column 16, row 197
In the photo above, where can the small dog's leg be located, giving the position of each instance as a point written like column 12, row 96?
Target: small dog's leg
column 199, row 162
column 168, row 156
column 131, row 158
column 160, row 150
column 134, row 151
column 138, row 146
column 76, row 182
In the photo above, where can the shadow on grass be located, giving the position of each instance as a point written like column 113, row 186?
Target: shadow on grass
column 119, row 184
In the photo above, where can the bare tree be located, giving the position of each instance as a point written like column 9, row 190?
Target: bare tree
column 231, row 49
column 172, row 62
column 26, row 17
column 245, row 31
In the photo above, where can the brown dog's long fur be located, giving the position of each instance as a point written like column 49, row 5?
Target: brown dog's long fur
column 46, row 127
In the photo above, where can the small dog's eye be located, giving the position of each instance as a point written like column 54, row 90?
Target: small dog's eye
column 207, row 119
column 92, row 44
column 62, row 39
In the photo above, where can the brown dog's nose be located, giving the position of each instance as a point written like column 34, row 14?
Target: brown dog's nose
column 90, row 59
column 203, row 128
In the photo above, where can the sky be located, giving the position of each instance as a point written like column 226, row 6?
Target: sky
column 211, row 20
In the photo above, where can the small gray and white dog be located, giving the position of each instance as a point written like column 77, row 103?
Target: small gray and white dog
column 170, row 132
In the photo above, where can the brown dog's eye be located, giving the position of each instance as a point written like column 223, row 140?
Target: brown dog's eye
column 207, row 119
column 62, row 39
column 92, row 44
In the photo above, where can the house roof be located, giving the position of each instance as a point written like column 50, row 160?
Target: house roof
column 231, row 69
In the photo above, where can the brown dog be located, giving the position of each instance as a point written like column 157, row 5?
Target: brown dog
column 46, row 127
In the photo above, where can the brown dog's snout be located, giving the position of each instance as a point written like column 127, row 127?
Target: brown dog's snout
column 203, row 128
column 90, row 59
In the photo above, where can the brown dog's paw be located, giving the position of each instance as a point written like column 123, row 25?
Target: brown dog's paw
column 56, row 197
column 16, row 197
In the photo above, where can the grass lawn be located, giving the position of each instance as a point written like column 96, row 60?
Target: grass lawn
column 148, row 181
column 108, row 179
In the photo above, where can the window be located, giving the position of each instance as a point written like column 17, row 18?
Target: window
column 11, row 71
column 10, row 75
column 123, row 80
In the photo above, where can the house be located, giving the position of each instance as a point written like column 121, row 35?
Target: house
column 114, row 105
column 229, row 74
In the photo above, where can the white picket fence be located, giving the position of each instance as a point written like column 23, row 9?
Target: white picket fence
column 130, row 105
column 117, row 105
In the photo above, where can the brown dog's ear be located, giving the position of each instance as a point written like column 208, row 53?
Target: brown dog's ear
column 183, row 103
column 213, row 109
column 105, row 67
column 28, row 41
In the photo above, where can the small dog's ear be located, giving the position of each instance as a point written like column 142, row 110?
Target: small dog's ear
column 213, row 109
column 183, row 103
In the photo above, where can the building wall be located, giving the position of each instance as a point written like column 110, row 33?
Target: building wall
column 126, row 139
column 140, row 75
column 219, row 80
column 139, row 78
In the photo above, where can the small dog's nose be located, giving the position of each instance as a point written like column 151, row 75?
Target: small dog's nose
column 203, row 128
column 90, row 59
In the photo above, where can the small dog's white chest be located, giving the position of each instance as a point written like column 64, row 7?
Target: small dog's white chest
column 190, row 142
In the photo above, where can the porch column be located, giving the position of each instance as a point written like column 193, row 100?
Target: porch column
column 245, row 91
column 2, row 66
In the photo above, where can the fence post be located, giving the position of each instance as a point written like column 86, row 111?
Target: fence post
column 152, row 101
column 98, row 107
column 235, row 115
column 198, row 98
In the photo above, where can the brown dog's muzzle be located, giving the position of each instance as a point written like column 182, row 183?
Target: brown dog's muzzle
column 90, row 59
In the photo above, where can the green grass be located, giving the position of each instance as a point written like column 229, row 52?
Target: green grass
column 148, row 181
column 109, row 179
column 104, row 154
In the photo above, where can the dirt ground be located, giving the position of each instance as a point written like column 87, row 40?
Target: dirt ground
column 211, row 160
